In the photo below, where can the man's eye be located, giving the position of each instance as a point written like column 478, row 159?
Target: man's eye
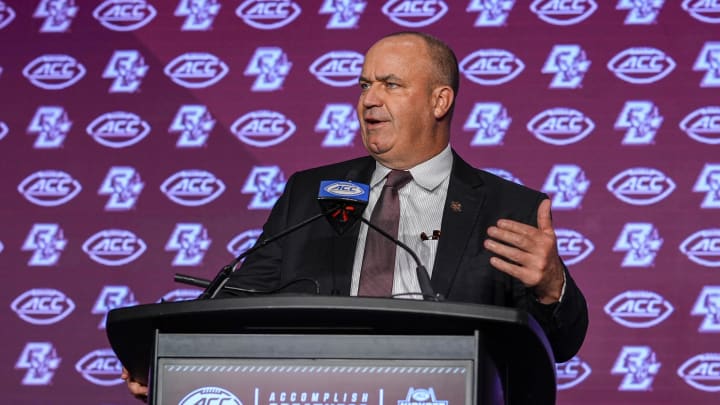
column 391, row 85
column 364, row 86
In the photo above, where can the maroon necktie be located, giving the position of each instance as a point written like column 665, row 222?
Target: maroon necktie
column 378, row 266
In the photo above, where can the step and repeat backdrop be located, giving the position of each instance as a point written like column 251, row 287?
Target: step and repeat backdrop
column 139, row 139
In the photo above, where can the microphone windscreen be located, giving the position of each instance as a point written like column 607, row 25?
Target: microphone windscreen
column 343, row 202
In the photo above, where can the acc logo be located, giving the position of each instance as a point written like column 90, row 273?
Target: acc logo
column 641, row 186
column 100, row 367
column 341, row 124
column 267, row 184
column 703, row 247
column 263, row 128
column 702, row 372
column 338, row 68
column 194, row 123
column 571, row 373
column 638, row 309
column 491, row 67
column 709, row 60
column 641, row 65
column 703, row 125
column 58, row 14
column 708, row 305
column 210, row 395
column 127, row 68
column 641, row 119
column 493, row 13
column 114, row 247
column 705, row 11
column 563, row 12
column 640, row 13
column 561, row 126
column 641, row 241
column 49, row 188
column 192, row 188
column 490, row 122
column 7, row 14
column 124, row 185
column 111, row 297
column 709, row 182
column 54, row 72
column 41, row 361
column 345, row 14
column 271, row 66
column 569, row 184
column 52, row 125
column 243, row 241
column 421, row 396
column 268, row 14
column 344, row 189
column 199, row 15
column 118, row 129
column 180, row 294
column 639, row 366
column 124, row 15
column 569, row 64
column 42, row 306
column 196, row 70
column 47, row 243
column 503, row 174
column 415, row 13
column 572, row 246
column 190, row 241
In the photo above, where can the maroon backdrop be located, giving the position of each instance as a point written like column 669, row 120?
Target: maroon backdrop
column 143, row 138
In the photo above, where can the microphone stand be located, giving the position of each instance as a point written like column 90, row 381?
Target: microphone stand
column 422, row 274
column 217, row 284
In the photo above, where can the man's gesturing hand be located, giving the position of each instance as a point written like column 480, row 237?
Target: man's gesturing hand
column 529, row 254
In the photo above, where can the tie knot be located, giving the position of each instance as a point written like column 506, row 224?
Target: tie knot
column 398, row 178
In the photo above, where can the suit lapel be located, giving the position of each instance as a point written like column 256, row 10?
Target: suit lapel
column 463, row 205
column 344, row 245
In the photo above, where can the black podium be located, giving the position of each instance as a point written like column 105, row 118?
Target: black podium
column 367, row 350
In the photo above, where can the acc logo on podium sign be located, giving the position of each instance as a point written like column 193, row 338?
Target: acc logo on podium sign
column 210, row 395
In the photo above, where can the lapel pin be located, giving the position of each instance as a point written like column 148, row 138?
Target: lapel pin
column 456, row 206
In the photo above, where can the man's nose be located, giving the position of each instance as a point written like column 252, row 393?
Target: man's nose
column 371, row 97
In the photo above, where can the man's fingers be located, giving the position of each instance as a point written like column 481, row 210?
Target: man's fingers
column 544, row 217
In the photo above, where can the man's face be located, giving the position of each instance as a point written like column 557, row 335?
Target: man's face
column 395, row 107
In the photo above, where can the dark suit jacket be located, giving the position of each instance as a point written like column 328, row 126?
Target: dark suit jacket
column 461, row 271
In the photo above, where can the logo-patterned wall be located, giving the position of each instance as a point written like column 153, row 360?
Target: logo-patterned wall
column 143, row 138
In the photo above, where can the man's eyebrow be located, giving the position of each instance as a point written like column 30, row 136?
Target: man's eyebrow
column 386, row 78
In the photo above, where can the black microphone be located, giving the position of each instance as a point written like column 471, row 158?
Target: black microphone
column 345, row 202
column 345, row 208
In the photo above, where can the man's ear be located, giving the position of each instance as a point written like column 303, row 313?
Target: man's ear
column 443, row 97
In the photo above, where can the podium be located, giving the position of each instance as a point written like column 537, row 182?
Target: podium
column 334, row 350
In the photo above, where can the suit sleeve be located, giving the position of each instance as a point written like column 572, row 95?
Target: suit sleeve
column 261, row 270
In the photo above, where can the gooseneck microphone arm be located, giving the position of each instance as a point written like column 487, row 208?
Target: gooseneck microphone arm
column 422, row 274
column 217, row 284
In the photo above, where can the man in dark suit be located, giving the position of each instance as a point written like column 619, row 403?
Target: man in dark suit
column 495, row 242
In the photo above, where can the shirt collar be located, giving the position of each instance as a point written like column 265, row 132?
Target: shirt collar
column 428, row 174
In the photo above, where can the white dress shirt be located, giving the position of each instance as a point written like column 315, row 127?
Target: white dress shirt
column 421, row 207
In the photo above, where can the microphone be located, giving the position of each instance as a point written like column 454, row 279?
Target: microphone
column 345, row 201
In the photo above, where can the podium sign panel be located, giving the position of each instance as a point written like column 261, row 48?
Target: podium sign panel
column 258, row 350
column 315, row 369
